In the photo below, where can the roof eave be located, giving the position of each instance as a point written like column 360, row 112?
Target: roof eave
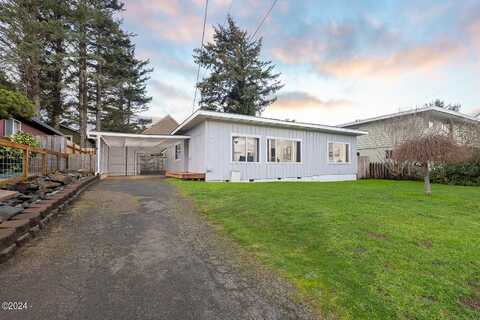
column 264, row 121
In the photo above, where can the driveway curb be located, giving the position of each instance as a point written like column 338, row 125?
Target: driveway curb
column 36, row 217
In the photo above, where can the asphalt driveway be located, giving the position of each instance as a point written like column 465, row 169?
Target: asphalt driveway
column 133, row 249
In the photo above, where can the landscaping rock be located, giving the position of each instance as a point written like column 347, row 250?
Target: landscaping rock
column 6, row 212
column 83, row 172
column 60, row 178
column 25, row 187
column 45, row 185
column 7, row 195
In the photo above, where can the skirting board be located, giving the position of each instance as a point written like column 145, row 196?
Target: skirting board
column 321, row 178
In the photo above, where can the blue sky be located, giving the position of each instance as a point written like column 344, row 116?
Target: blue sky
column 340, row 60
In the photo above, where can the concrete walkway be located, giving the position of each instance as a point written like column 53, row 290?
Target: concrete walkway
column 132, row 249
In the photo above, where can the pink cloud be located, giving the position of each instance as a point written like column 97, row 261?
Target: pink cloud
column 141, row 8
column 298, row 100
column 421, row 58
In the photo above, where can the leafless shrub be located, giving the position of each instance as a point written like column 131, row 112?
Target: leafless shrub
column 428, row 149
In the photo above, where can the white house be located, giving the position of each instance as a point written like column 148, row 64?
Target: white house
column 230, row 147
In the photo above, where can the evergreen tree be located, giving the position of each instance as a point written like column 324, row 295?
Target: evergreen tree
column 239, row 81
column 54, row 77
column 128, row 95
column 21, row 43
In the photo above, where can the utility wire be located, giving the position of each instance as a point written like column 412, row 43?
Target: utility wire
column 201, row 48
column 264, row 18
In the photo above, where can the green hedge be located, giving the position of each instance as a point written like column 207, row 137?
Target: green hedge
column 461, row 174
column 464, row 175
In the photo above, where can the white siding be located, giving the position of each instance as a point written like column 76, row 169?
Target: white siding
column 314, row 153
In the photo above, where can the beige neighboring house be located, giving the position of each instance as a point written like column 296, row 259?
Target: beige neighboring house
column 164, row 126
column 384, row 131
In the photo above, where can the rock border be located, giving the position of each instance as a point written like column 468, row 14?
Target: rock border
column 28, row 224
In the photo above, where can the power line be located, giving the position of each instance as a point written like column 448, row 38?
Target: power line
column 264, row 18
column 201, row 48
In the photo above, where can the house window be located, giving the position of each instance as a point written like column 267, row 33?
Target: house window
column 178, row 151
column 245, row 149
column 284, row 150
column 12, row 126
column 338, row 152
column 388, row 154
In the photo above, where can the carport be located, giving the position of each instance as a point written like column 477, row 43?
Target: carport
column 126, row 154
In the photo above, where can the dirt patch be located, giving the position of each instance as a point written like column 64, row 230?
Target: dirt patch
column 377, row 235
column 427, row 244
column 473, row 303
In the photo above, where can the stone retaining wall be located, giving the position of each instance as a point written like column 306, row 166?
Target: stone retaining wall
column 16, row 231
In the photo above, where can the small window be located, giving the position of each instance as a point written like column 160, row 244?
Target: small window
column 12, row 126
column 245, row 149
column 388, row 154
column 284, row 150
column 178, row 151
column 338, row 152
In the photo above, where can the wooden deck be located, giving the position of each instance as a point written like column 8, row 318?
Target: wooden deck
column 185, row 175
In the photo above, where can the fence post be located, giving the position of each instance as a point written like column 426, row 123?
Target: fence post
column 45, row 163
column 26, row 162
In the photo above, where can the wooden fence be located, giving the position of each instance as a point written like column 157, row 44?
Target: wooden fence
column 20, row 161
column 387, row 170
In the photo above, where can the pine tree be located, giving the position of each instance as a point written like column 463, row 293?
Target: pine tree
column 239, row 81
column 21, row 43
column 54, row 76
column 128, row 95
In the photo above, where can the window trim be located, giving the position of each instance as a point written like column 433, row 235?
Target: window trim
column 13, row 125
column 175, row 152
column 245, row 136
column 283, row 162
column 349, row 153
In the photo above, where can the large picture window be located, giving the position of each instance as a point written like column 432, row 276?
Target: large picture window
column 245, row 149
column 338, row 152
column 279, row 150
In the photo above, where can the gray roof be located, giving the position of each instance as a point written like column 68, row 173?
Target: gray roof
column 164, row 126
column 456, row 114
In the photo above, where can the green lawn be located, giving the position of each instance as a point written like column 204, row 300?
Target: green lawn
column 359, row 250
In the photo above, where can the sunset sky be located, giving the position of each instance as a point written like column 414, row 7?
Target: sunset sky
column 340, row 60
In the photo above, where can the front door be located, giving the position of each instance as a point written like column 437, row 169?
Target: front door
column 151, row 164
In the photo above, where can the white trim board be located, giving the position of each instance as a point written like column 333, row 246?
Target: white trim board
column 318, row 178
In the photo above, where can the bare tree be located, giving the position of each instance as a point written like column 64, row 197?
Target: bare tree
column 429, row 149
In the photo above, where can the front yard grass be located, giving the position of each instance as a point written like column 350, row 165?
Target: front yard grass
column 371, row 249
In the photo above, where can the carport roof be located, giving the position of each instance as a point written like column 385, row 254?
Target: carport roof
column 118, row 139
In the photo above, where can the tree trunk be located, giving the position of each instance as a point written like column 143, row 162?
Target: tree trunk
column 426, row 179
column 98, row 102
column 82, row 87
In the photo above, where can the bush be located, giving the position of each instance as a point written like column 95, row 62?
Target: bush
column 467, row 174
column 14, row 103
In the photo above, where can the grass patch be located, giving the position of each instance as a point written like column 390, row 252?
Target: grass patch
column 369, row 249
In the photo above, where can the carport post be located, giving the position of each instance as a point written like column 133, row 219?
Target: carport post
column 99, row 153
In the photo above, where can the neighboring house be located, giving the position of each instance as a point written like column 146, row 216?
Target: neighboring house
column 232, row 147
column 164, row 126
column 384, row 131
column 34, row 126
column 73, row 135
